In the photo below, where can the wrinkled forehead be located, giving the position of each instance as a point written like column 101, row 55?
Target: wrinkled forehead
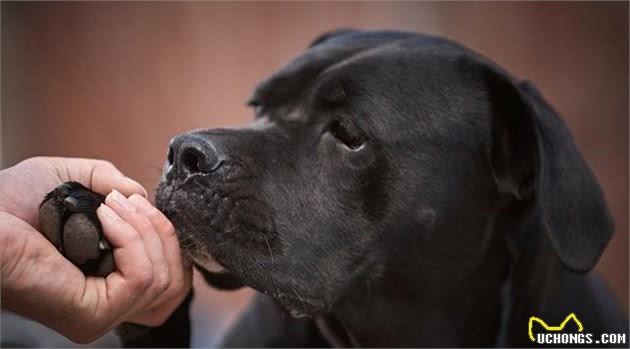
column 393, row 81
column 301, row 74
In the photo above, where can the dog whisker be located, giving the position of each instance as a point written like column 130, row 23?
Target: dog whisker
column 298, row 296
column 273, row 273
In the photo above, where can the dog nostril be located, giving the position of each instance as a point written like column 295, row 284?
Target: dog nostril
column 192, row 154
column 192, row 160
column 170, row 157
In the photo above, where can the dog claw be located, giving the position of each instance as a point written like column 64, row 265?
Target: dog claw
column 104, row 245
column 71, row 203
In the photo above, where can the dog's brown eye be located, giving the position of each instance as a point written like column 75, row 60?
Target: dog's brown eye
column 346, row 133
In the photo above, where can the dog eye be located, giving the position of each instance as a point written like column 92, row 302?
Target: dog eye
column 258, row 108
column 347, row 134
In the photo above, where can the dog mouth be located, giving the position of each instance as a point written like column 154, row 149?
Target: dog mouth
column 214, row 272
column 230, row 236
column 206, row 262
column 298, row 305
column 221, row 227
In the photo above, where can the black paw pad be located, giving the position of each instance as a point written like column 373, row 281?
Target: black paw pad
column 67, row 217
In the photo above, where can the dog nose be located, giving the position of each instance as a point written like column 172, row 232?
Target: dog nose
column 189, row 154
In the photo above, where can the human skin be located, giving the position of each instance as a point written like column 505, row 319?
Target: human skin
column 151, row 278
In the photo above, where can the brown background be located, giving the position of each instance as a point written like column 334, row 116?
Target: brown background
column 117, row 80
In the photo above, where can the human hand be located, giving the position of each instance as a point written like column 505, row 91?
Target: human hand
column 23, row 186
column 37, row 282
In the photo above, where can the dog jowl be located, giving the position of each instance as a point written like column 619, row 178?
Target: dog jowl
column 394, row 189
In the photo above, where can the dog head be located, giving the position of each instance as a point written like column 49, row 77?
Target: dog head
column 373, row 153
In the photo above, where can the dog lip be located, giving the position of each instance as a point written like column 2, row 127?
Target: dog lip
column 207, row 262
column 191, row 177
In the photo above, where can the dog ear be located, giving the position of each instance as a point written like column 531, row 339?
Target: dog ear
column 534, row 157
column 329, row 35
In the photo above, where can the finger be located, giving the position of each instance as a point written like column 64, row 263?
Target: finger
column 156, row 316
column 26, row 253
column 32, row 270
column 151, row 239
column 121, row 292
column 99, row 175
column 180, row 268
column 132, row 261
column 165, row 230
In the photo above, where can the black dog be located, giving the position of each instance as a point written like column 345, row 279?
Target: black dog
column 395, row 189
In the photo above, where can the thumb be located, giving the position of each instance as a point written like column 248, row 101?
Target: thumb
column 99, row 175
column 32, row 270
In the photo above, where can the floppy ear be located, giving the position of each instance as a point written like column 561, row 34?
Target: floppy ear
column 329, row 35
column 534, row 157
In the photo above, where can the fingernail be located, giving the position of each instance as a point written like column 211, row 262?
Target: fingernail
column 138, row 185
column 106, row 212
column 121, row 200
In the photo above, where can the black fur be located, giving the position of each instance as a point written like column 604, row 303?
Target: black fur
column 398, row 190
column 395, row 190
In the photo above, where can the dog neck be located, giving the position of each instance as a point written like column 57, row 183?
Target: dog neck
column 535, row 279
column 399, row 310
column 489, row 308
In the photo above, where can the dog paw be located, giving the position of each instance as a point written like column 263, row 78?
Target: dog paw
column 67, row 218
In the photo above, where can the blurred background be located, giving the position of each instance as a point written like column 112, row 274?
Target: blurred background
column 116, row 80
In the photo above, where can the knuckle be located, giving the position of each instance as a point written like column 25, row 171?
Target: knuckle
column 144, row 225
column 105, row 164
column 134, row 238
column 162, row 281
column 179, row 290
column 34, row 160
column 137, row 199
column 143, row 279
